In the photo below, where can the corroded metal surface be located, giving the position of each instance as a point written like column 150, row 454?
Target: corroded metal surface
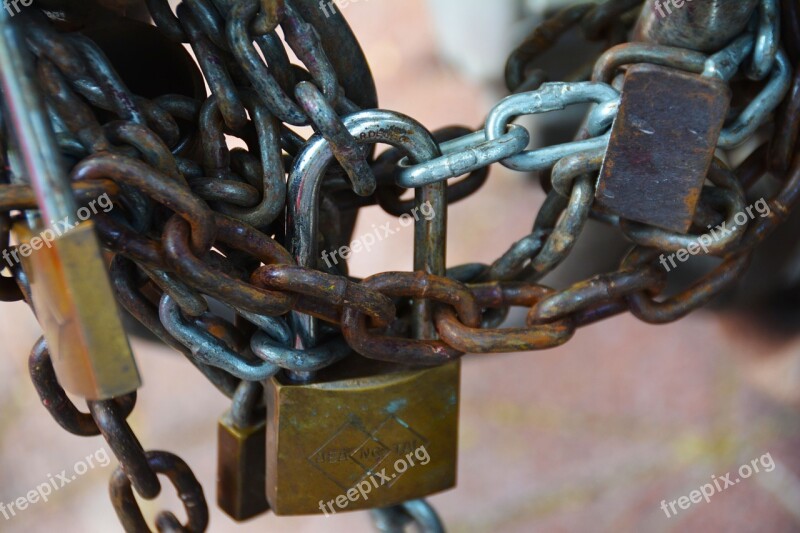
column 661, row 146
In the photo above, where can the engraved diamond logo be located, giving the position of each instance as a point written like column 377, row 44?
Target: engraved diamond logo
column 403, row 440
column 370, row 454
column 353, row 453
column 334, row 457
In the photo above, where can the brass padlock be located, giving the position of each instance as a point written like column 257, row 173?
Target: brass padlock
column 662, row 144
column 365, row 434
column 361, row 433
column 241, row 460
column 69, row 283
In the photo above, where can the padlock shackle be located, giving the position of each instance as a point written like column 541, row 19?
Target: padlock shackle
column 305, row 183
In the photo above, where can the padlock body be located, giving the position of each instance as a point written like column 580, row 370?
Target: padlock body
column 357, row 426
column 241, row 469
column 662, row 145
column 71, row 294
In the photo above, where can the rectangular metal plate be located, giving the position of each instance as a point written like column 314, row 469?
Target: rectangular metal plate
column 662, row 145
column 72, row 293
column 325, row 438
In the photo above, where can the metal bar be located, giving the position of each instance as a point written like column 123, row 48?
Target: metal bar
column 39, row 157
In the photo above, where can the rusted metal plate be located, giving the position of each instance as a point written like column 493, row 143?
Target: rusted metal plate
column 662, row 144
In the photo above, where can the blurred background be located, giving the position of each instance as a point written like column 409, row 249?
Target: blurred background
column 590, row 436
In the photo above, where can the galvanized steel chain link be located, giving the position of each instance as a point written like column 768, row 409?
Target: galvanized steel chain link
column 196, row 220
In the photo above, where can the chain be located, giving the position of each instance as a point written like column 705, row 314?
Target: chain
column 138, row 469
column 195, row 219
